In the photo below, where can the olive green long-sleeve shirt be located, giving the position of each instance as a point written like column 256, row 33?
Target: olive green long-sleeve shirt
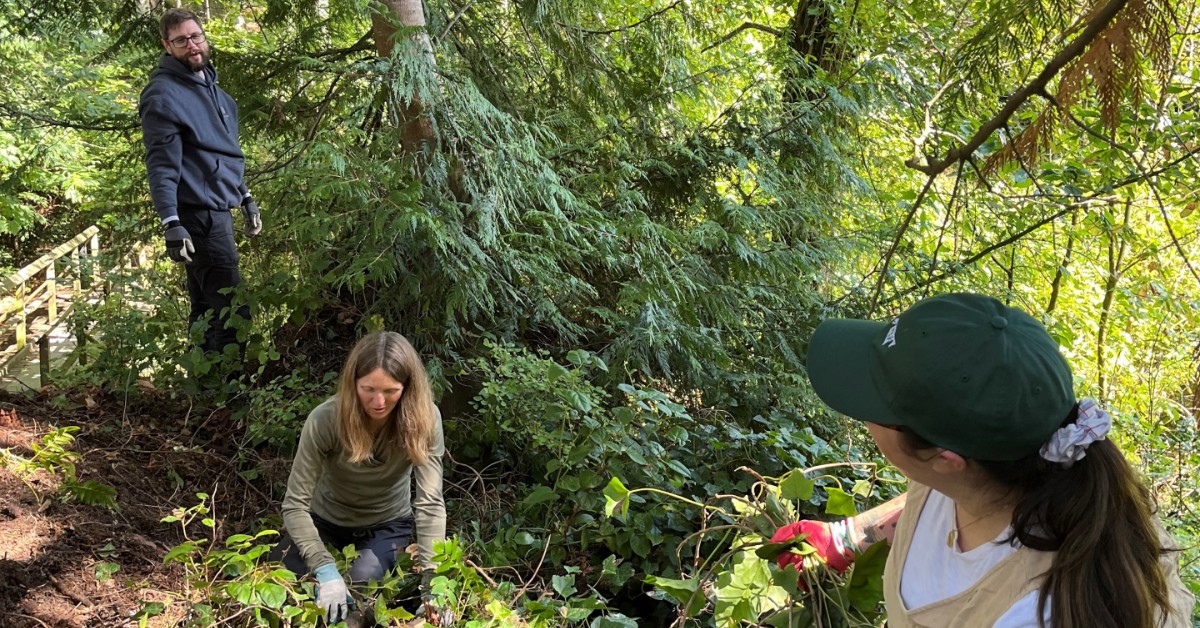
column 363, row 494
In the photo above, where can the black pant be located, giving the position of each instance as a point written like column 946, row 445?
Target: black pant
column 213, row 274
column 377, row 547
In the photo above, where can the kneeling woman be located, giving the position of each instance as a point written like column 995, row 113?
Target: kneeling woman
column 361, row 453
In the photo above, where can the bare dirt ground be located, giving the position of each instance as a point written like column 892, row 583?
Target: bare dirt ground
column 50, row 549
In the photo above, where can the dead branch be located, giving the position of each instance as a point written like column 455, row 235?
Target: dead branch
column 1014, row 102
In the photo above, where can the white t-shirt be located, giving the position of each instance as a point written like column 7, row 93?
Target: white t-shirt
column 934, row 572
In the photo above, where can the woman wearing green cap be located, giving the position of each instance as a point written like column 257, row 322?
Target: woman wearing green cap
column 1019, row 512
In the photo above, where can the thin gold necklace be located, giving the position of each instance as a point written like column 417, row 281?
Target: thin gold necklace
column 952, row 537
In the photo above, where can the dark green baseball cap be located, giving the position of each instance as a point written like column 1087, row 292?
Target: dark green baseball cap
column 963, row 371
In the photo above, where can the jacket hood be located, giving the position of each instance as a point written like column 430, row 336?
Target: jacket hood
column 174, row 67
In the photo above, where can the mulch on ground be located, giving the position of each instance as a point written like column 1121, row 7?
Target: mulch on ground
column 157, row 455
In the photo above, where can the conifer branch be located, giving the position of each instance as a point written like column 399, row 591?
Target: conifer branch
column 1018, row 98
column 636, row 24
column 454, row 20
column 745, row 26
column 47, row 121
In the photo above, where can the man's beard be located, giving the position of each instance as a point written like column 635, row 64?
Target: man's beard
column 195, row 66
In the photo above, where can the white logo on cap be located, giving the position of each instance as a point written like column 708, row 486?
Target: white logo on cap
column 890, row 339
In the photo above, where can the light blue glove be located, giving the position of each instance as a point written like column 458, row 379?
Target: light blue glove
column 331, row 592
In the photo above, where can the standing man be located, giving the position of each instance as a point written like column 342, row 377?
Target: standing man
column 196, row 171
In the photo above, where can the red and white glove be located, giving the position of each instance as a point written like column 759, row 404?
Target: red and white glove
column 830, row 540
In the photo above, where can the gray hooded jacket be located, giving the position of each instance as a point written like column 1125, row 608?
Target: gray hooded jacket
column 190, row 129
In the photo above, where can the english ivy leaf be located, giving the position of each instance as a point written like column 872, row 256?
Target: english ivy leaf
column 616, row 499
column 862, row 488
column 105, row 570
column 564, row 585
column 679, row 468
column 615, row 620
column 796, row 487
column 271, row 594
column 865, row 590
column 616, row 572
column 840, row 503
column 682, row 591
column 787, row 579
column 149, row 609
column 640, row 545
column 539, row 495
column 768, row 551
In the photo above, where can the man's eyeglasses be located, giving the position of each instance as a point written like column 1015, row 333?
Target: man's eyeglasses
column 182, row 42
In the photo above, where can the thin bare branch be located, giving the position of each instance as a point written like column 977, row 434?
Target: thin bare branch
column 987, row 251
column 454, row 20
column 1144, row 176
column 891, row 252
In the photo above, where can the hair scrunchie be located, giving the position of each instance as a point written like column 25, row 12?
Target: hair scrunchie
column 1069, row 444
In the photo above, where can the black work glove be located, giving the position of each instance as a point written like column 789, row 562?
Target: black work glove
column 252, row 215
column 179, row 243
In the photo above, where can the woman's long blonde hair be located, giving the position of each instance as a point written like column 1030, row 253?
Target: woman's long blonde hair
column 410, row 428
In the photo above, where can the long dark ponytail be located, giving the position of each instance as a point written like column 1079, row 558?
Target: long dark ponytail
column 1099, row 518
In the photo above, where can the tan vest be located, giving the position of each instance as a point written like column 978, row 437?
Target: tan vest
column 982, row 604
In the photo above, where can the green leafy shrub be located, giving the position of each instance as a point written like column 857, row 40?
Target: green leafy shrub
column 54, row 457
column 731, row 578
column 558, row 435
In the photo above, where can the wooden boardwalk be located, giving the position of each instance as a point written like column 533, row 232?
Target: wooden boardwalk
column 24, row 374
column 35, row 306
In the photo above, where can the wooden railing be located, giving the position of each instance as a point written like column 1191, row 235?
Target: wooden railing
column 21, row 308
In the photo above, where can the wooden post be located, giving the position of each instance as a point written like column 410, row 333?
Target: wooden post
column 93, row 254
column 85, row 273
column 21, row 321
column 77, row 264
column 44, row 358
column 81, row 345
column 51, row 294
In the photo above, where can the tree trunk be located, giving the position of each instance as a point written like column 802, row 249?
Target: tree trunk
column 810, row 34
column 417, row 135
column 1194, row 406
